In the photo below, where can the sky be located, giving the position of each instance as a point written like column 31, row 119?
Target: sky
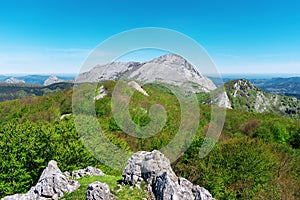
column 240, row 36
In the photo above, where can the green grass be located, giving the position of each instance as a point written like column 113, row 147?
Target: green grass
column 121, row 192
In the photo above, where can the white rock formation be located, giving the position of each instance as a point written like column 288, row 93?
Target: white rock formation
column 137, row 87
column 13, row 80
column 52, row 184
column 99, row 191
column 102, row 93
column 51, row 80
column 163, row 184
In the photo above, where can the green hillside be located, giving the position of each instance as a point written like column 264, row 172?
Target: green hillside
column 245, row 96
column 256, row 157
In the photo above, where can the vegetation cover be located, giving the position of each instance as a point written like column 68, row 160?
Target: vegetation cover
column 256, row 157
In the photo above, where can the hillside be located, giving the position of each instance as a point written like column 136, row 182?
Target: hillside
column 244, row 96
column 257, row 155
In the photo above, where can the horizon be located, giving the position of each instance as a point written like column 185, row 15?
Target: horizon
column 38, row 37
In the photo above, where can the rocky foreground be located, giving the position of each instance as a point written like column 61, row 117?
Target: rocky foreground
column 150, row 167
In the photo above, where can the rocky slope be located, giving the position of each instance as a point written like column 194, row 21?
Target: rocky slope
column 171, row 69
column 244, row 96
column 152, row 168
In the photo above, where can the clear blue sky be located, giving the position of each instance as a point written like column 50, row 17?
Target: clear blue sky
column 241, row 36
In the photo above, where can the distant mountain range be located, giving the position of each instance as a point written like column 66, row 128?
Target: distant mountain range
column 288, row 86
column 254, row 95
column 36, row 79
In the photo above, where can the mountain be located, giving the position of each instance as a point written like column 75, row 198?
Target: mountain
column 244, row 96
column 14, row 80
column 52, row 79
column 171, row 69
column 288, row 86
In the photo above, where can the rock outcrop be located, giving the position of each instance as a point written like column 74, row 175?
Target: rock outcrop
column 150, row 167
column 101, row 93
column 52, row 184
column 137, row 87
column 89, row 171
column 163, row 184
column 99, row 191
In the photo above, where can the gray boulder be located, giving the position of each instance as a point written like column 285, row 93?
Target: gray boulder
column 145, row 166
column 201, row 193
column 89, row 171
column 163, row 184
column 30, row 195
column 99, row 191
column 52, row 184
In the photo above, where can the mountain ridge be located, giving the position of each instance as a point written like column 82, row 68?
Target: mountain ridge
column 171, row 69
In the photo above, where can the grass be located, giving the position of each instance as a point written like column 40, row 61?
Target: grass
column 121, row 192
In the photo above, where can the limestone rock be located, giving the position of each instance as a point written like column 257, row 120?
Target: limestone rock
column 145, row 166
column 52, row 184
column 99, row 191
column 89, row 171
column 201, row 193
column 30, row 195
column 137, row 87
column 163, row 184
column 102, row 93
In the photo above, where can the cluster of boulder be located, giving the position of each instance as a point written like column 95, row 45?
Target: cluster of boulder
column 150, row 167
column 163, row 184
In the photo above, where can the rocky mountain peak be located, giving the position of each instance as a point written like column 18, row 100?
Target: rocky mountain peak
column 175, row 60
column 14, row 80
column 52, row 79
column 170, row 69
column 170, row 58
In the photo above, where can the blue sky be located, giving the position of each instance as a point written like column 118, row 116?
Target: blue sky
column 240, row 36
